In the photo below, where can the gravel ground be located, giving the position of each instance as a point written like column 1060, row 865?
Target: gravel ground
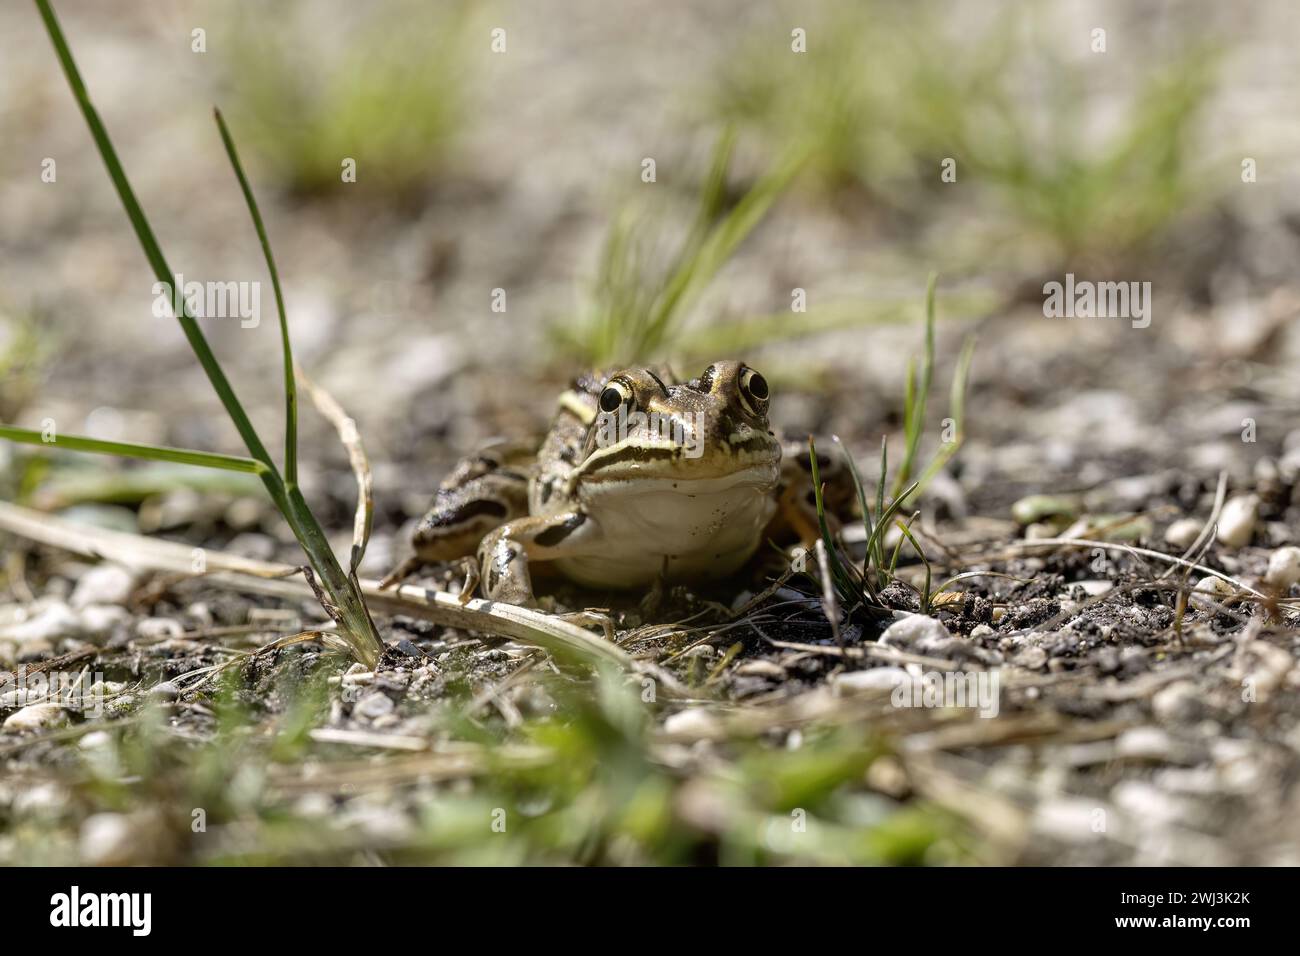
column 1144, row 714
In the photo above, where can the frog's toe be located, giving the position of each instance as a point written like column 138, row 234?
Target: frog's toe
column 504, row 564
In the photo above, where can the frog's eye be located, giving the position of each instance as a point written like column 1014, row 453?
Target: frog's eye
column 753, row 391
column 616, row 393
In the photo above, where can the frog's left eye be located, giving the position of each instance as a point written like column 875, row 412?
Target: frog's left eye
column 753, row 391
column 616, row 393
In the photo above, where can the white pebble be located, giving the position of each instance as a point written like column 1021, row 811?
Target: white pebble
column 1237, row 521
column 97, row 620
column 49, row 623
column 1183, row 533
column 373, row 705
column 1283, row 567
column 1209, row 592
column 103, row 584
column 913, row 629
column 159, row 627
column 693, row 722
column 1143, row 743
column 36, row 717
column 875, row 679
column 108, row 839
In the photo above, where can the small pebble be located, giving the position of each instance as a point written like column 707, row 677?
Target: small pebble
column 692, row 722
column 914, row 629
column 108, row 839
column 165, row 691
column 48, row 623
column 1143, row 743
column 159, row 627
column 103, row 584
column 373, row 705
column 761, row 668
column 875, row 679
column 1237, row 521
column 36, row 717
column 98, row 620
column 1182, row 533
column 96, row 740
column 1209, row 592
column 1283, row 567
column 1031, row 658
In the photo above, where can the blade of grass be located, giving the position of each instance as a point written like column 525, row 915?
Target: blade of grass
column 182, row 456
column 843, row 581
column 720, row 243
column 867, row 523
column 917, row 395
column 877, row 538
column 148, row 242
column 344, row 602
column 290, row 389
column 957, row 411
column 926, row 595
column 876, row 535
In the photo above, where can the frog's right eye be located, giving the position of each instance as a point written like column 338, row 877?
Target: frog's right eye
column 616, row 393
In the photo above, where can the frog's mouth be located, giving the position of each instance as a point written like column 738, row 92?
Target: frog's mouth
column 669, row 462
column 633, row 478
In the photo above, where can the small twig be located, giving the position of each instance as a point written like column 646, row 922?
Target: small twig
column 263, row 577
column 1019, row 546
column 1203, row 539
column 351, row 439
column 828, row 592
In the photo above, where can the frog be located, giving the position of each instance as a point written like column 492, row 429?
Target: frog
column 642, row 479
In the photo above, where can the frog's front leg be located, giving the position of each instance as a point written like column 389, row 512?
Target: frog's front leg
column 505, row 553
column 483, row 492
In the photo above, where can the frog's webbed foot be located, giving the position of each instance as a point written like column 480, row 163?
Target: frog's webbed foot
column 484, row 491
column 401, row 572
column 591, row 618
column 504, row 554
column 468, row 567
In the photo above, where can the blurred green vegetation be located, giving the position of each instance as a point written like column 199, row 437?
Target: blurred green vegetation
column 589, row 784
column 887, row 91
column 25, row 348
column 392, row 93
column 649, row 275
column 652, row 271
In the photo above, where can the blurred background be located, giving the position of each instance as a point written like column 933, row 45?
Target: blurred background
column 522, row 170
column 501, row 236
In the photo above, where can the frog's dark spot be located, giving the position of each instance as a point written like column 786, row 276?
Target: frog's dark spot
column 558, row 532
column 463, row 513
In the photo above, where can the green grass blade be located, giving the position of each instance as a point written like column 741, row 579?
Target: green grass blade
column 182, row 456
column 876, row 534
column 917, row 395
column 148, row 242
column 290, row 386
column 719, row 245
column 849, row 592
column 926, row 595
column 867, row 523
column 957, row 411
